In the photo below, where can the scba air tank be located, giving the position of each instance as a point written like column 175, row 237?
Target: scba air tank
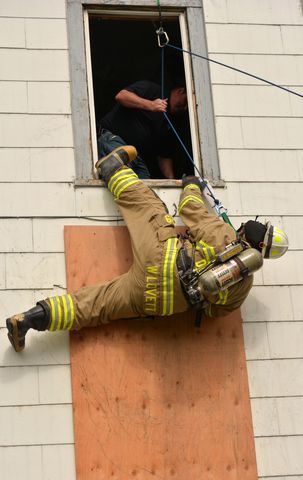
column 233, row 271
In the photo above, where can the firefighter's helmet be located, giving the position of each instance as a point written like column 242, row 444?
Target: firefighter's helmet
column 271, row 241
column 275, row 242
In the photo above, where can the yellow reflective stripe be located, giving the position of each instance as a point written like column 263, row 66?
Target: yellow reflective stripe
column 118, row 174
column 208, row 250
column 121, row 179
column 65, row 312
column 51, row 301
column 72, row 310
column 225, row 296
column 123, row 187
column 208, row 310
column 191, row 185
column 172, row 264
column 205, row 251
column 219, row 299
column 164, row 299
column 58, row 326
column 189, row 198
column 168, row 276
column 62, row 312
column 119, row 183
column 222, row 297
column 114, row 176
column 212, row 252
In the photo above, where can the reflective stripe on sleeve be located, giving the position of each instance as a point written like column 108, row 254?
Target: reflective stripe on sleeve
column 208, row 250
column 222, row 297
column 168, row 276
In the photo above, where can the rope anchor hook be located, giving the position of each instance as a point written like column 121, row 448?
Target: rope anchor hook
column 162, row 37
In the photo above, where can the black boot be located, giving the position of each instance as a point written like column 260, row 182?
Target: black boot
column 107, row 166
column 191, row 180
column 18, row 325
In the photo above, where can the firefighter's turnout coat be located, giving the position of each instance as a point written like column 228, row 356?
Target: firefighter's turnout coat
column 152, row 287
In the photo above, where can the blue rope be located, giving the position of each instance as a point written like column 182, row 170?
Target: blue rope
column 204, row 183
column 162, row 73
column 181, row 142
column 167, row 117
column 235, row 69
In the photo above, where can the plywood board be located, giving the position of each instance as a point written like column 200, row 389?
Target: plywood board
column 155, row 398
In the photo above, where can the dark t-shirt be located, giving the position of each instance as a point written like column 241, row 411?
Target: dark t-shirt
column 148, row 131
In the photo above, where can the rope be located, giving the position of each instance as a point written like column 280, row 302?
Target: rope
column 221, row 211
column 160, row 14
column 235, row 69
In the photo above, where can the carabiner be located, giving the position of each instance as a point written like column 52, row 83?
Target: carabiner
column 162, row 37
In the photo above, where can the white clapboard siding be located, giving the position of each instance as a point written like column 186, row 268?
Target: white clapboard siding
column 17, row 425
column 240, row 165
column 285, row 70
column 48, row 348
column 34, row 65
column 261, row 151
column 33, row 8
column 259, row 138
column 41, row 462
column 34, row 385
column 46, row 33
column 257, row 11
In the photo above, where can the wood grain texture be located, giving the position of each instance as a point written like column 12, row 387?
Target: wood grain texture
column 155, row 398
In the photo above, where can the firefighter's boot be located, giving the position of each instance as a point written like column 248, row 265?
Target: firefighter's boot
column 18, row 325
column 107, row 166
column 191, row 180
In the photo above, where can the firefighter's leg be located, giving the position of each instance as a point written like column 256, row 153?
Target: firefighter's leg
column 201, row 223
column 144, row 213
column 146, row 216
column 87, row 307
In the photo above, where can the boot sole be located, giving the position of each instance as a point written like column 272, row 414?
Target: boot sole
column 115, row 153
column 17, row 342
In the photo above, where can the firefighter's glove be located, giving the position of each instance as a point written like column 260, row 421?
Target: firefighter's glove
column 190, row 180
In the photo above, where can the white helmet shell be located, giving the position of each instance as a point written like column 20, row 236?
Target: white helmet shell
column 275, row 242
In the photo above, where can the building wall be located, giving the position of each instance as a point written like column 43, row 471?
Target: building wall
column 260, row 148
column 261, row 159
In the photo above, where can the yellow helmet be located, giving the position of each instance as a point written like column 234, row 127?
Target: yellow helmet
column 275, row 242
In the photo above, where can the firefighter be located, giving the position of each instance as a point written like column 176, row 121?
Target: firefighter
column 165, row 275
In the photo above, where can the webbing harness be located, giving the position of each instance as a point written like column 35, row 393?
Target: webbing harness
column 189, row 279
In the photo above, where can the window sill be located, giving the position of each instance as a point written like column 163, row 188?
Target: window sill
column 155, row 183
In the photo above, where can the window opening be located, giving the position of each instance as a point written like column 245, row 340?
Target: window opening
column 124, row 50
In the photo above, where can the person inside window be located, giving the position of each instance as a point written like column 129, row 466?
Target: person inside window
column 137, row 119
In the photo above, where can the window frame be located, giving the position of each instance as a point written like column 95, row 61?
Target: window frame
column 191, row 22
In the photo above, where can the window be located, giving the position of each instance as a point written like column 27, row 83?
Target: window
column 117, row 47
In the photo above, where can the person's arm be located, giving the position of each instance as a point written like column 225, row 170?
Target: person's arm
column 132, row 100
column 166, row 167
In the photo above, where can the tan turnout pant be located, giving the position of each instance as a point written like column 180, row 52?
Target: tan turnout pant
column 151, row 286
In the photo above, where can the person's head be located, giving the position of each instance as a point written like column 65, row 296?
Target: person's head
column 178, row 100
column 271, row 241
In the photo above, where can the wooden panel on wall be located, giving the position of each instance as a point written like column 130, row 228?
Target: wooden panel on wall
column 155, row 398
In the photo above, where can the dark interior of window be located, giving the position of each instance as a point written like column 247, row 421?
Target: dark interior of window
column 124, row 51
